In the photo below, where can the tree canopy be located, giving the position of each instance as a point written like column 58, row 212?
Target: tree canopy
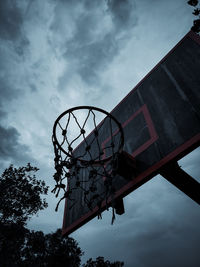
column 100, row 262
column 196, row 13
column 50, row 250
column 20, row 194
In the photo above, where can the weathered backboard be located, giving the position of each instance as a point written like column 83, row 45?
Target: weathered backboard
column 160, row 119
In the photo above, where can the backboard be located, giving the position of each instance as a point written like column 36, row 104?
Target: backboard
column 161, row 122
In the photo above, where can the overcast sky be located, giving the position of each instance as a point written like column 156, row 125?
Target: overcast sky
column 56, row 54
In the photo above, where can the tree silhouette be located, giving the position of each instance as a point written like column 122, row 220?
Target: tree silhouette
column 62, row 251
column 22, row 247
column 50, row 250
column 12, row 240
column 20, row 194
column 193, row 2
column 100, row 262
column 196, row 12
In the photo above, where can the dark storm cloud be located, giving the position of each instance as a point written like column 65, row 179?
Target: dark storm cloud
column 160, row 227
column 10, row 20
column 33, row 87
column 8, row 90
column 190, row 162
column 12, row 44
column 156, row 241
column 10, row 148
column 95, row 42
column 121, row 12
column 10, row 30
column 90, row 58
column 2, row 113
column 160, row 238
column 11, row 25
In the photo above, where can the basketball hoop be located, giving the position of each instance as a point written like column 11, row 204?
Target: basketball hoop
column 98, row 159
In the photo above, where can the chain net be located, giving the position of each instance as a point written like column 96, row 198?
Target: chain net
column 86, row 175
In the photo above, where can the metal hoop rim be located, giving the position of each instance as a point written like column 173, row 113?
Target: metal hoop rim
column 89, row 108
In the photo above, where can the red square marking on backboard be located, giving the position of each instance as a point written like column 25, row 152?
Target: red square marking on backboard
column 150, row 126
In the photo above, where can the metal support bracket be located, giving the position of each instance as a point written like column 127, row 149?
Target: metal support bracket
column 126, row 166
column 173, row 173
column 119, row 206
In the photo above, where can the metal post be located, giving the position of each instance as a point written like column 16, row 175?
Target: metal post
column 182, row 180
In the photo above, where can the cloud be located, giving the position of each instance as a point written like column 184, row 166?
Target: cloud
column 97, row 31
column 11, row 20
column 11, row 25
column 9, row 80
column 190, row 164
column 159, row 221
column 11, row 150
column 92, row 57
column 13, row 41
column 77, row 52
column 7, row 89
column 121, row 11
column 2, row 114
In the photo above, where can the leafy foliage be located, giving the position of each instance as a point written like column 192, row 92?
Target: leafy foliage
column 51, row 250
column 196, row 26
column 12, row 239
column 192, row 2
column 196, row 12
column 20, row 194
column 20, row 198
column 22, row 247
column 100, row 262
column 65, row 246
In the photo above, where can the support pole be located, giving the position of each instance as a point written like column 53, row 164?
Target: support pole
column 182, row 180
